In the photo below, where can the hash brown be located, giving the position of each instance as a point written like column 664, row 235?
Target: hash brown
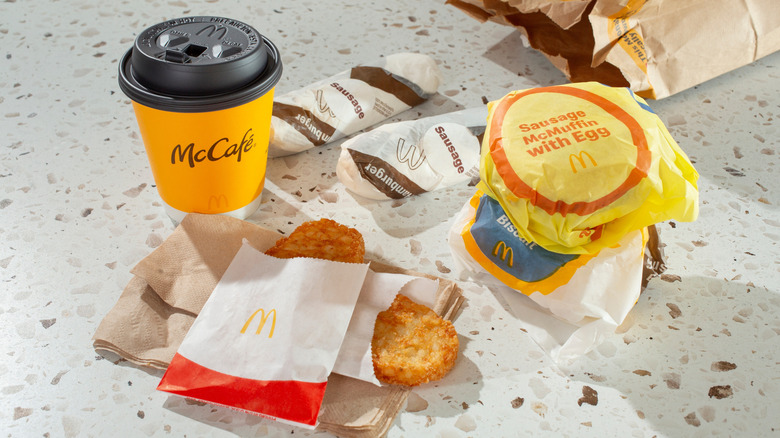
column 321, row 239
column 412, row 345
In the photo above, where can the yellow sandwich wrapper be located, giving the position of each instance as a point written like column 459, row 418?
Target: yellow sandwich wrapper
column 577, row 167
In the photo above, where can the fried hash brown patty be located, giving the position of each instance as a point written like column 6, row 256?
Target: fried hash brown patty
column 412, row 344
column 322, row 239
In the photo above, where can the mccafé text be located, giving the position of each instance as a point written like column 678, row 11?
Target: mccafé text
column 220, row 149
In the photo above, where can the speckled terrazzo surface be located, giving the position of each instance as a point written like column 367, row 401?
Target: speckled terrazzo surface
column 698, row 356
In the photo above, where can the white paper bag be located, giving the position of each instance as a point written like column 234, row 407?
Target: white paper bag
column 379, row 291
column 268, row 336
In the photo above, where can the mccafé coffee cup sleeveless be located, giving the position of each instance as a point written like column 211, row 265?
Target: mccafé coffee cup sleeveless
column 202, row 90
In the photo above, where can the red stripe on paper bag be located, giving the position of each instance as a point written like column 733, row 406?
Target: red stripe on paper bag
column 289, row 400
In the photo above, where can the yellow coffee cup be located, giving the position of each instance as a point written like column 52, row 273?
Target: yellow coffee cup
column 202, row 92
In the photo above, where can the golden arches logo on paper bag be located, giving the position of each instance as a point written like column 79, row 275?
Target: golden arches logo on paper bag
column 263, row 319
column 506, row 254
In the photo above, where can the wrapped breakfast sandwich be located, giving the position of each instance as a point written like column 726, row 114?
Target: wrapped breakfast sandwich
column 407, row 158
column 350, row 101
column 571, row 177
column 577, row 167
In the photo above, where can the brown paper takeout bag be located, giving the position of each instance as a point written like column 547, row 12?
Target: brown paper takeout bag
column 656, row 47
column 171, row 285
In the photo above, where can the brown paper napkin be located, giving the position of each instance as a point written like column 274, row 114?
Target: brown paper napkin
column 170, row 286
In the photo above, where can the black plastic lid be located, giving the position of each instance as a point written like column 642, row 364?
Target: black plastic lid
column 198, row 64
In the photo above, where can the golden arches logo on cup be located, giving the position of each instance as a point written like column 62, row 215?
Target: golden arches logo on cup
column 212, row 29
column 202, row 91
column 218, row 201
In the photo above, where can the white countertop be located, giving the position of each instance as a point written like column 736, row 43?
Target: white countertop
column 78, row 209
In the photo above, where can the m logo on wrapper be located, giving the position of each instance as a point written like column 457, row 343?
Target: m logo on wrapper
column 263, row 319
column 323, row 106
column 413, row 157
column 581, row 159
column 519, row 264
column 504, row 252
